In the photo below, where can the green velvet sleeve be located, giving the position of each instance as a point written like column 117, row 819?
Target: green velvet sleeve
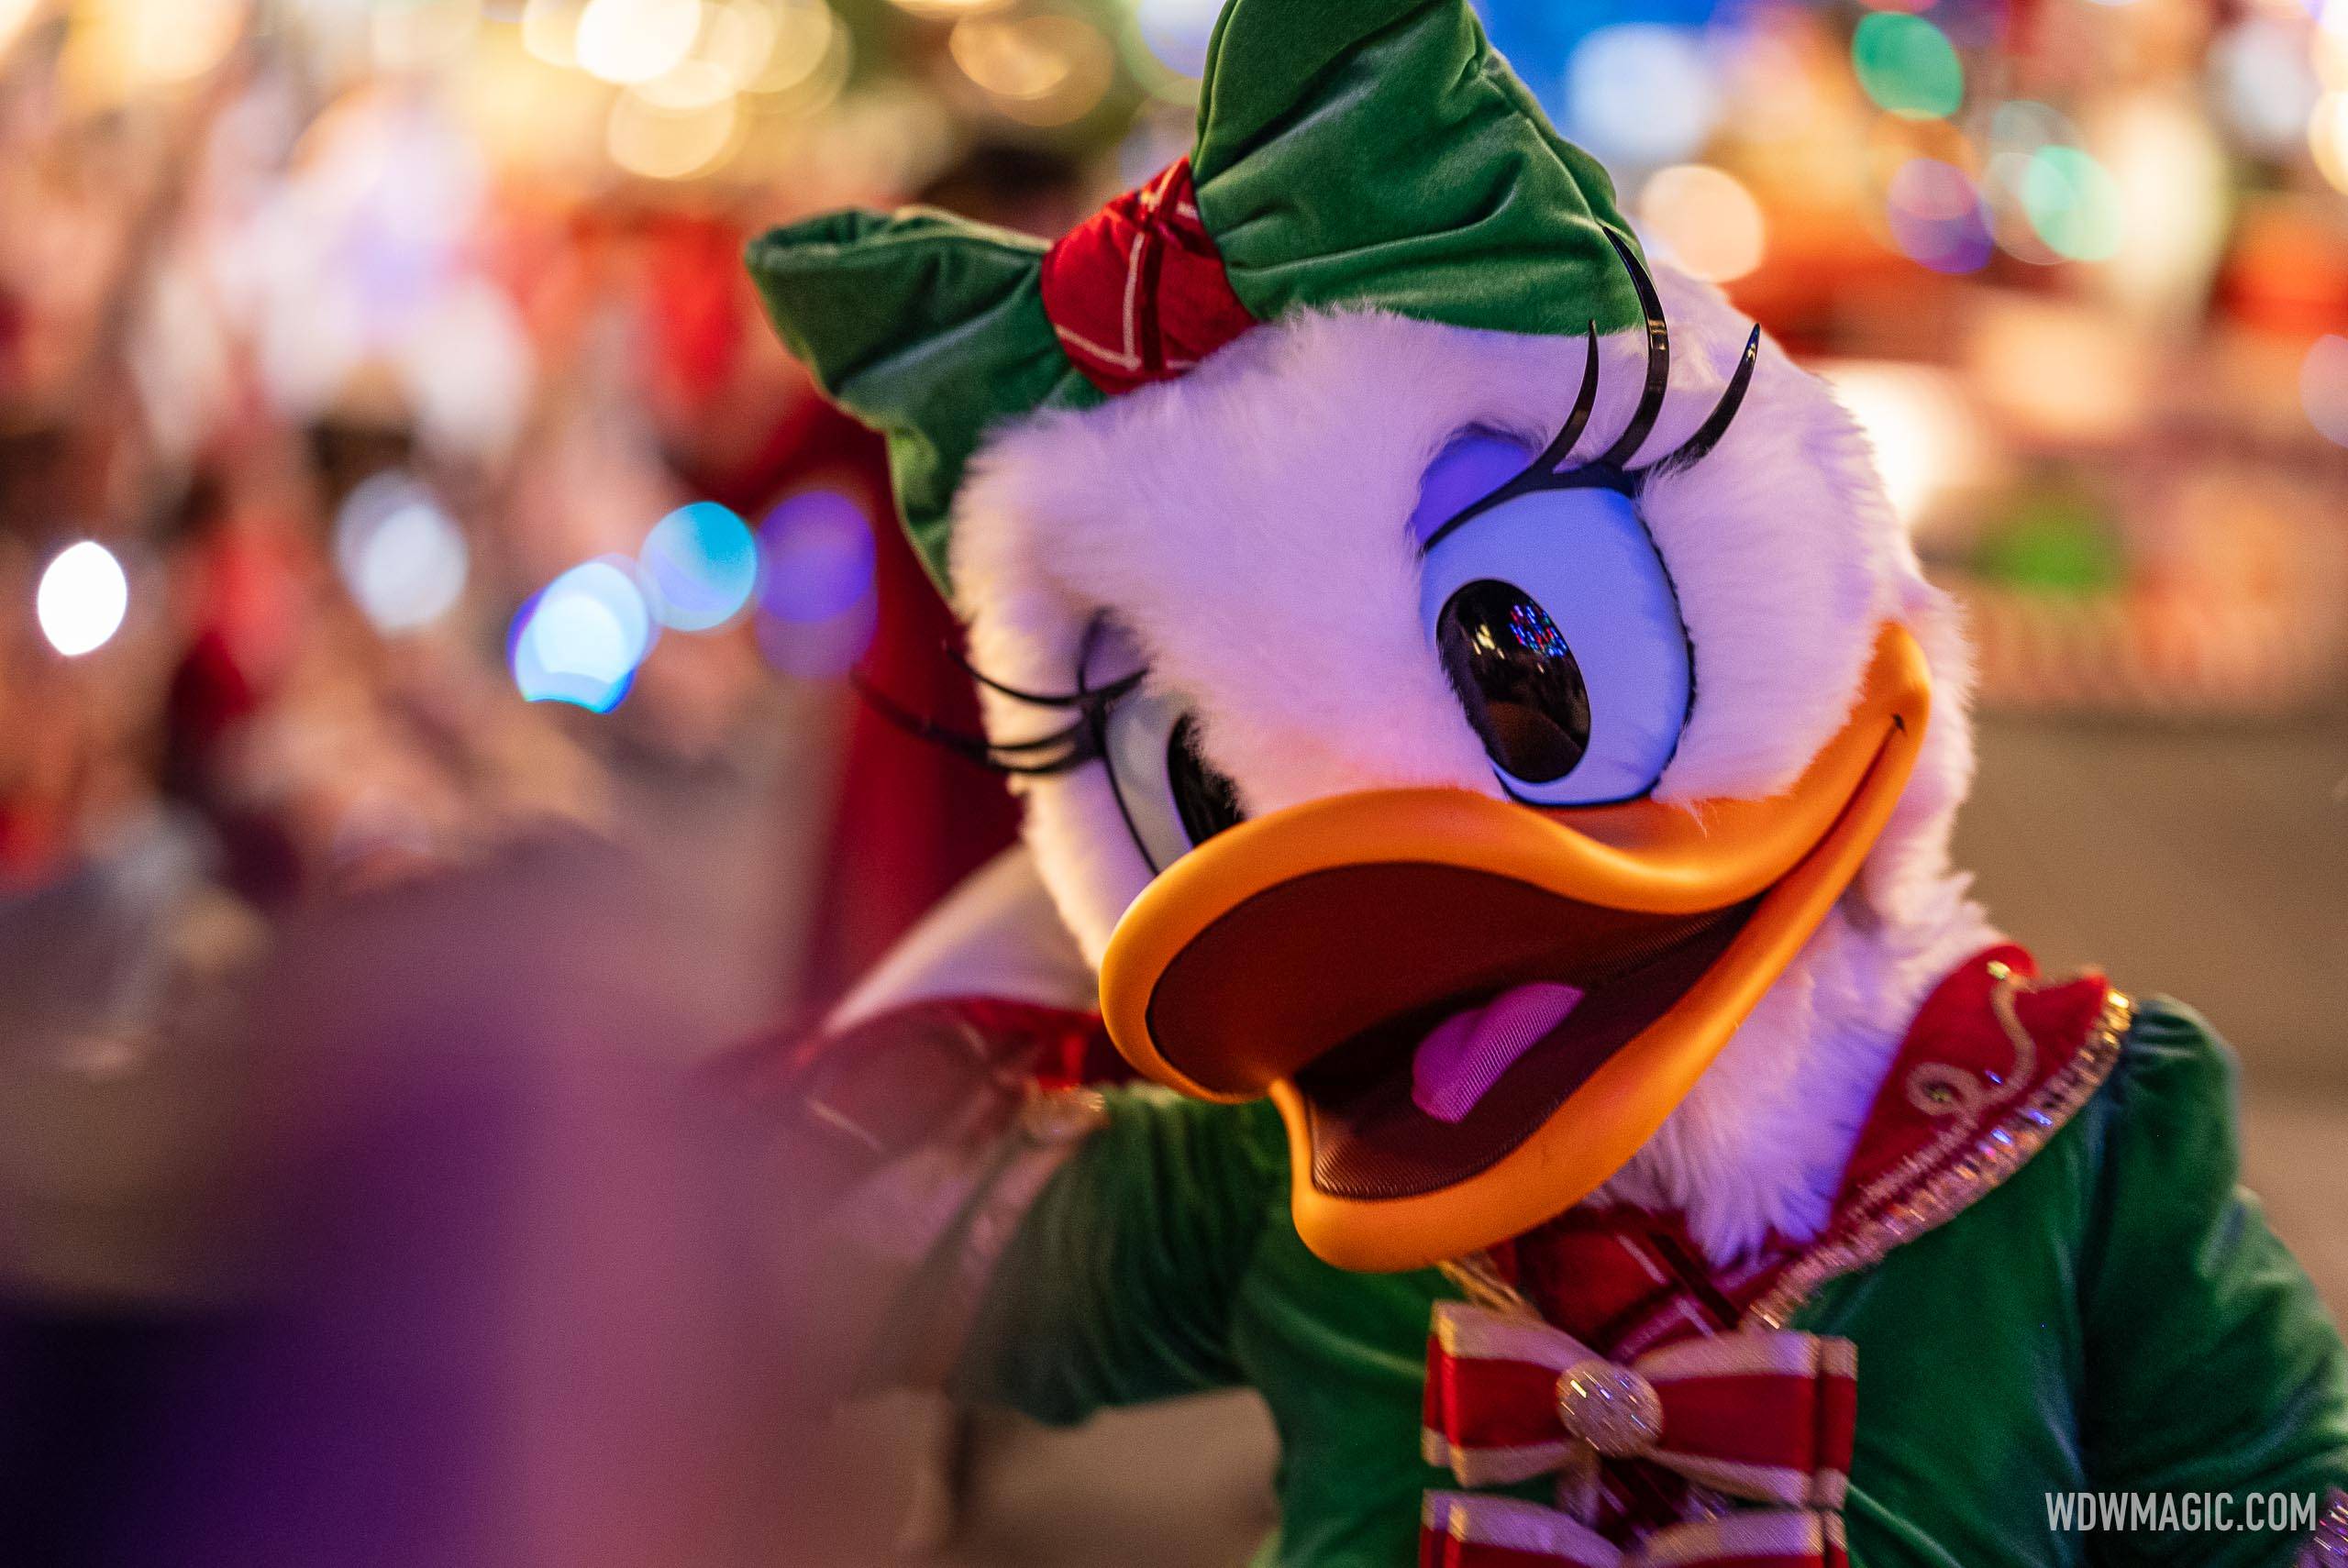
column 1117, row 1287
column 2212, row 1364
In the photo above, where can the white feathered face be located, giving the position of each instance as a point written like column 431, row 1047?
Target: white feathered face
column 1465, row 731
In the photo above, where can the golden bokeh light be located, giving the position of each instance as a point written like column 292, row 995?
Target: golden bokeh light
column 1041, row 71
column 738, row 38
column 1707, row 221
column 807, row 45
column 550, row 30
column 13, row 15
column 414, row 35
column 691, row 83
column 668, row 144
column 120, row 48
column 628, row 41
column 2328, row 138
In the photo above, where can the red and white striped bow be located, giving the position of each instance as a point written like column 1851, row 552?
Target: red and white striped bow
column 1463, row 1529
column 1767, row 1416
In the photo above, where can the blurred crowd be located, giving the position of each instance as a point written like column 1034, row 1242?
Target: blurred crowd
column 428, row 595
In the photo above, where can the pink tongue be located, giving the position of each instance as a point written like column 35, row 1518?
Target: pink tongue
column 1459, row 1061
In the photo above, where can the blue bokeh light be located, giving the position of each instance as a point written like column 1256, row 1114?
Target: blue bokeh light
column 701, row 567
column 1642, row 93
column 1540, row 37
column 582, row 638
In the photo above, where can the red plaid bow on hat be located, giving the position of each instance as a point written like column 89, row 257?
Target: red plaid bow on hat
column 1764, row 1416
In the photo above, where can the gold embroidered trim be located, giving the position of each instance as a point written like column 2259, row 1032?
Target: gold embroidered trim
column 2328, row 1546
column 1479, row 1281
column 1942, row 1089
column 1922, row 1193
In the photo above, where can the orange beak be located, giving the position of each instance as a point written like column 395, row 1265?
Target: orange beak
column 1308, row 955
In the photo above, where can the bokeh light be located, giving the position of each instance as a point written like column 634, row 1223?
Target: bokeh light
column 550, row 30
column 1710, row 223
column 401, row 556
column 817, row 597
column 2263, row 83
column 1641, row 94
column 414, row 35
column 13, row 15
column 2074, row 204
column 738, row 37
column 691, row 83
column 819, row 556
column 661, row 143
column 2328, row 138
column 82, row 599
column 1937, row 217
column 2025, row 125
column 2331, row 50
column 2003, row 179
column 1918, row 422
column 2323, row 387
column 634, row 40
column 1043, row 70
column 700, row 565
column 580, row 640
column 130, row 45
column 2170, row 175
column 807, row 38
column 1906, row 65
column 1177, row 32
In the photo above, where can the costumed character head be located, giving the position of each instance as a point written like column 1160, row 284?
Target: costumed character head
column 1467, row 683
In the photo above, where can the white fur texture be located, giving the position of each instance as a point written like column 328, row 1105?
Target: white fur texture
column 1244, row 528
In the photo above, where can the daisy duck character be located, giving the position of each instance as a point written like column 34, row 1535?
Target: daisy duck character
column 1493, row 752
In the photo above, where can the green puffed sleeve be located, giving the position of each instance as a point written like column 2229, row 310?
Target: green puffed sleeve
column 1117, row 1287
column 2212, row 1364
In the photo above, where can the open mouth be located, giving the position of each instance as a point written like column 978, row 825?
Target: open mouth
column 1470, row 1012
column 1441, row 1093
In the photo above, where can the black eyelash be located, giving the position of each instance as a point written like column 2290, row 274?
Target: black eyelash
column 1554, row 468
column 1612, row 466
column 1626, row 445
column 1708, row 435
column 1560, row 449
column 1076, row 743
column 1082, row 741
column 1080, row 698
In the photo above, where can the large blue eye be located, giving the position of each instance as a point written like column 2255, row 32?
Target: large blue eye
column 1557, row 622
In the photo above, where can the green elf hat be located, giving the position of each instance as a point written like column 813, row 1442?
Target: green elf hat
column 1371, row 153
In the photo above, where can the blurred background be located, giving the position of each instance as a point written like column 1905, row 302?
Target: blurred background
column 428, row 598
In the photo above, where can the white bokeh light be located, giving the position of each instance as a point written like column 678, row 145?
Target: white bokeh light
column 634, row 40
column 1642, row 93
column 82, row 599
column 402, row 556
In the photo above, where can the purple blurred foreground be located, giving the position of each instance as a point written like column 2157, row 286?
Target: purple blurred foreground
column 503, row 1272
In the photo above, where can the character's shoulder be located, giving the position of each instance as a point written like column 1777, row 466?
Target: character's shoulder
column 2170, row 1056
column 2166, row 1116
